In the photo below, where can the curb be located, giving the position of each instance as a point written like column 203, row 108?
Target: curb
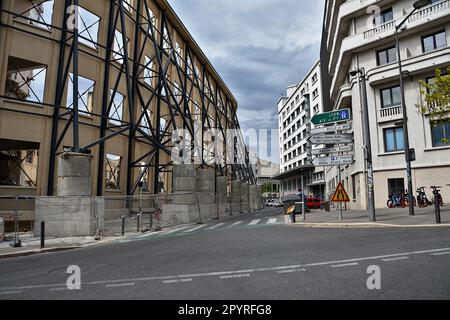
column 36, row 251
column 366, row 225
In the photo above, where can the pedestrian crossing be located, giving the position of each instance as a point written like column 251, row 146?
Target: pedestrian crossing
column 212, row 226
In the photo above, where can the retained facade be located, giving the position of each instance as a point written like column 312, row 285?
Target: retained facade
column 140, row 77
column 294, row 115
column 361, row 34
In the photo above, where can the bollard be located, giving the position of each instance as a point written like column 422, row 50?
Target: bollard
column 42, row 234
column 123, row 225
column 139, row 222
column 437, row 208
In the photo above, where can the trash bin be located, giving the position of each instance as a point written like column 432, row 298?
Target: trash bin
column 292, row 205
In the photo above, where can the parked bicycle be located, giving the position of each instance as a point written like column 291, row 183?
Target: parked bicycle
column 397, row 201
column 422, row 199
column 437, row 195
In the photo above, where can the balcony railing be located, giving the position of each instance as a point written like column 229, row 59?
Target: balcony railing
column 388, row 26
column 391, row 112
column 430, row 10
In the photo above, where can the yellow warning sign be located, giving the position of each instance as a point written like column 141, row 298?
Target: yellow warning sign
column 340, row 195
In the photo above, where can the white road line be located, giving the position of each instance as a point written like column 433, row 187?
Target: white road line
column 215, row 226
column 395, row 259
column 5, row 293
column 345, row 265
column 223, row 273
column 120, row 285
column 194, row 229
column 291, row 271
column 272, row 221
column 235, row 224
column 440, row 253
column 173, row 231
column 254, row 222
column 58, row 289
column 234, row 276
column 176, row 281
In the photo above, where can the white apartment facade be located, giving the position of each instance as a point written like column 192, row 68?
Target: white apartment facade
column 355, row 37
column 294, row 127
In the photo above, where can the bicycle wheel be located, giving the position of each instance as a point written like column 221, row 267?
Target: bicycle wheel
column 390, row 204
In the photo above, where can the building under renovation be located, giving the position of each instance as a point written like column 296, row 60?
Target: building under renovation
column 109, row 82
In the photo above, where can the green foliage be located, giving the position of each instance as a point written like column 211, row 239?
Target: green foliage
column 437, row 97
column 267, row 188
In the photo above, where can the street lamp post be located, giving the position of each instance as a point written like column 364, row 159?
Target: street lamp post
column 368, row 144
column 417, row 5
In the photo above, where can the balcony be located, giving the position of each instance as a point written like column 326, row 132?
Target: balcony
column 390, row 114
column 370, row 38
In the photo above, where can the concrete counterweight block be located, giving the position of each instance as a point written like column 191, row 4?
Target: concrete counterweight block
column 253, row 198
column 222, row 196
column 245, row 197
column 206, row 192
column 236, row 203
column 184, row 185
column 259, row 199
column 74, row 175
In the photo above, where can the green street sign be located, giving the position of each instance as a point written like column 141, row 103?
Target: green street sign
column 332, row 117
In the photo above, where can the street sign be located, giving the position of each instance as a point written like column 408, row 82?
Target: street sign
column 340, row 127
column 332, row 117
column 348, row 148
column 333, row 161
column 331, row 138
column 340, row 195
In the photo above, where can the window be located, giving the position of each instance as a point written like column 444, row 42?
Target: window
column 166, row 40
column 25, row 80
column 396, row 186
column 145, row 123
column 112, row 172
column 177, row 92
column 116, row 111
column 197, row 112
column 316, row 109
column 390, row 97
column 179, row 54
column 88, row 27
column 315, row 93
column 386, row 56
column 151, row 22
column 119, row 49
column 434, row 41
column 40, row 13
column 85, row 94
column 148, row 71
column 384, row 17
column 393, row 139
column 441, row 133
column 128, row 4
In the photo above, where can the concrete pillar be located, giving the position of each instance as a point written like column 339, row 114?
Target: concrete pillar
column 74, row 175
column 236, row 204
column 245, row 197
column 206, row 192
column 253, row 198
column 258, row 198
column 184, row 185
column 222, row 196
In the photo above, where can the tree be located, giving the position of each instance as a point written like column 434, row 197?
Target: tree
column 437, row 97
column 267, row 188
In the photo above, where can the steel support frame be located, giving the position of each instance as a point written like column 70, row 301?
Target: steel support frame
column 215, row 104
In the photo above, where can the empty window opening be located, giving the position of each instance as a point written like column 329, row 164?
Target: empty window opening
column 112, row 172
column 85, row 94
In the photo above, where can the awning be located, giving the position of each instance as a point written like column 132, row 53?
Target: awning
column 294, row 172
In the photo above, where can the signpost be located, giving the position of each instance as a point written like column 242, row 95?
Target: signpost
column 331, row 139
column 332, row 117
column 340, row 196
column 340, row 127
column 333, row 161
column 347, row 148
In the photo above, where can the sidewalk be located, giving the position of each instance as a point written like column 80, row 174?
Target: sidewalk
column 385, row 218
column 32, row 245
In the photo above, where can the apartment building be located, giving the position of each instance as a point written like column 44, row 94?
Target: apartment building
column 361, row 35
column 294, row 115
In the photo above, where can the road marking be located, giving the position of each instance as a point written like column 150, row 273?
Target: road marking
column 235, row 272
column 173, row 231
column 176, row 281
column 215, row 226
column 235, row 224
column 395, row 259
column 10, row 292
column 291, row 271
column 57, row 289
column 120, row 285
column 194, row 229
column 345, row 265
column 272, row 221
column 440, row 253
column 234, row 276
column 254, row 222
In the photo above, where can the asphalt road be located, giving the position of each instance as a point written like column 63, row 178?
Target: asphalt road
column 252, row 256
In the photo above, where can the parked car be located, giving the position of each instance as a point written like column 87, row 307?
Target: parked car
column 313, row 203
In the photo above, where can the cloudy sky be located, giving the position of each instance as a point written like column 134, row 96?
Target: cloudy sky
column 258, row 47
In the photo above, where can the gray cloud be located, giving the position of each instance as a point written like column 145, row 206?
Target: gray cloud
column 257, row 46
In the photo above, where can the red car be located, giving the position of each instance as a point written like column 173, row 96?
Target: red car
column 313, row 203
